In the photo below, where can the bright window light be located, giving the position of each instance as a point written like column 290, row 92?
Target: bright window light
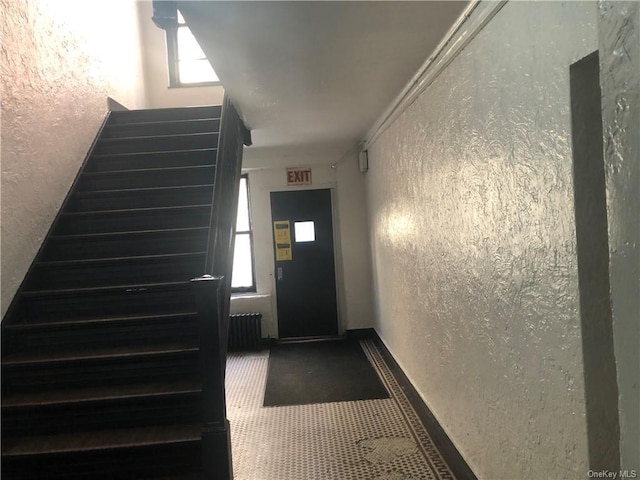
column 242, row 265
column 242, row 223
column 242, row 278
column 188, row 64
column 305, row 231
column 196, row 71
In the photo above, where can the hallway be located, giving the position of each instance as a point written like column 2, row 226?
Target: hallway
column 453, row 140
column 369, row 439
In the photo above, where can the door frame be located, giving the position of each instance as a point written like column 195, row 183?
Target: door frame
column 337, row 252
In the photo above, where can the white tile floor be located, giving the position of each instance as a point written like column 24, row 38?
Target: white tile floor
column 370, row 439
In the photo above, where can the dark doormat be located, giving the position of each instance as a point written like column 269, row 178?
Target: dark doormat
column 320, row 372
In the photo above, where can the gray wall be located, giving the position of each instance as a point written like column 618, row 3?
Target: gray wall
column 474, row 247
column 619, row 37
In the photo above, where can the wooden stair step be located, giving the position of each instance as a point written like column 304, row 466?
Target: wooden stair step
column 104, row 302
column 147, row 144
column 63, row 369
column 164, row 114
column 94, row 354
column 133, row 289
column 144, row 160
column 130, row 220
column 100, row 393
column 34, row 326
column 146, row 178
column 163, row 127
column 114, row 260
column 117, row 406
column 127, row 453
column 101, row 440
column 106, row 245
column 148, row 197
column 133, row 330
column 100, row 272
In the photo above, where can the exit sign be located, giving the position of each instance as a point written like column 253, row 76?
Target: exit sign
column 298, row 176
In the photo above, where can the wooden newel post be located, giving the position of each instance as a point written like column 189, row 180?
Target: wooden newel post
column 216, row 438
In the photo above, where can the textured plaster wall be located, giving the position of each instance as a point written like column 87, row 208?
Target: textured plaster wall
column 157, row 70
column 474, row 251
column 619, row 37
column 354, row 245
column 59, row 61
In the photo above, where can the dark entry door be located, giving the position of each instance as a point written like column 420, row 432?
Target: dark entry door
column 305, row 268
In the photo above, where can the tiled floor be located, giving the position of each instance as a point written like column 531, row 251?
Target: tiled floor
column 370, row 439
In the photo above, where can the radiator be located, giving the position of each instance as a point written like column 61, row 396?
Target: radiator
column 245, row 330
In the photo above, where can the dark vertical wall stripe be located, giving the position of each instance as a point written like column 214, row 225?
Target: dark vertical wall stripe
column 601, row 388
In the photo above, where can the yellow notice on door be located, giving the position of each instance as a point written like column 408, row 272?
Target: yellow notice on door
column 282, row 237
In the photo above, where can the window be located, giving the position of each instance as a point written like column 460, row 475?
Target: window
column 305, row 231
column 243, row 278
column 188, row 65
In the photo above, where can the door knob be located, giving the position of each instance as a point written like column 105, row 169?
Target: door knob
column 279, row 273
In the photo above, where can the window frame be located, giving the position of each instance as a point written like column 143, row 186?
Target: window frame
column 174, row 59
column 252, row 288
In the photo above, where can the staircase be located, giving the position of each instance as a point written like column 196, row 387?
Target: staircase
column 112, row 358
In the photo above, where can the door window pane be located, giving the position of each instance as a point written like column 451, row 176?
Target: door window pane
column 305, row 231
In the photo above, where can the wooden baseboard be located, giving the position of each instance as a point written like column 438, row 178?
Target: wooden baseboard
column 362, row 334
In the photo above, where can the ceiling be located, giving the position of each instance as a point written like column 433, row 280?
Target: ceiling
column 310, row 78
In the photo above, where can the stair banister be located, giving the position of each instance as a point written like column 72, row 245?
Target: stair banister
column 216, row 446
column 106, row 322
column 213, row 291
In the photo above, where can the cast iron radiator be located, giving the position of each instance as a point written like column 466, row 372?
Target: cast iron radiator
column 245, row 330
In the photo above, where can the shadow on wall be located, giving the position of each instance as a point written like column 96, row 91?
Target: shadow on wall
column 601, row 388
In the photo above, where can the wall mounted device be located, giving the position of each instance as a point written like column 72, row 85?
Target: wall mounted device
column 363, row 161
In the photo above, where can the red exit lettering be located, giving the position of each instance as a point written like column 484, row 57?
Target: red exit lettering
column 296, row 176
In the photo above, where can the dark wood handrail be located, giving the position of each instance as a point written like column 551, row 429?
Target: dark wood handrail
column 233, row 134
column 213, row 293
column 216, row 443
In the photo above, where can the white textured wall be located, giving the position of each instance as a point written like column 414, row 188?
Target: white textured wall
column 157, row 70
column 474, row 251
column 60, row 60
column 355, row 254
column 619, row 34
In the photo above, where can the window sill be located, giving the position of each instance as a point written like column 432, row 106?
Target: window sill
column 249, row 295
column 245, row 294
column 195, row 85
